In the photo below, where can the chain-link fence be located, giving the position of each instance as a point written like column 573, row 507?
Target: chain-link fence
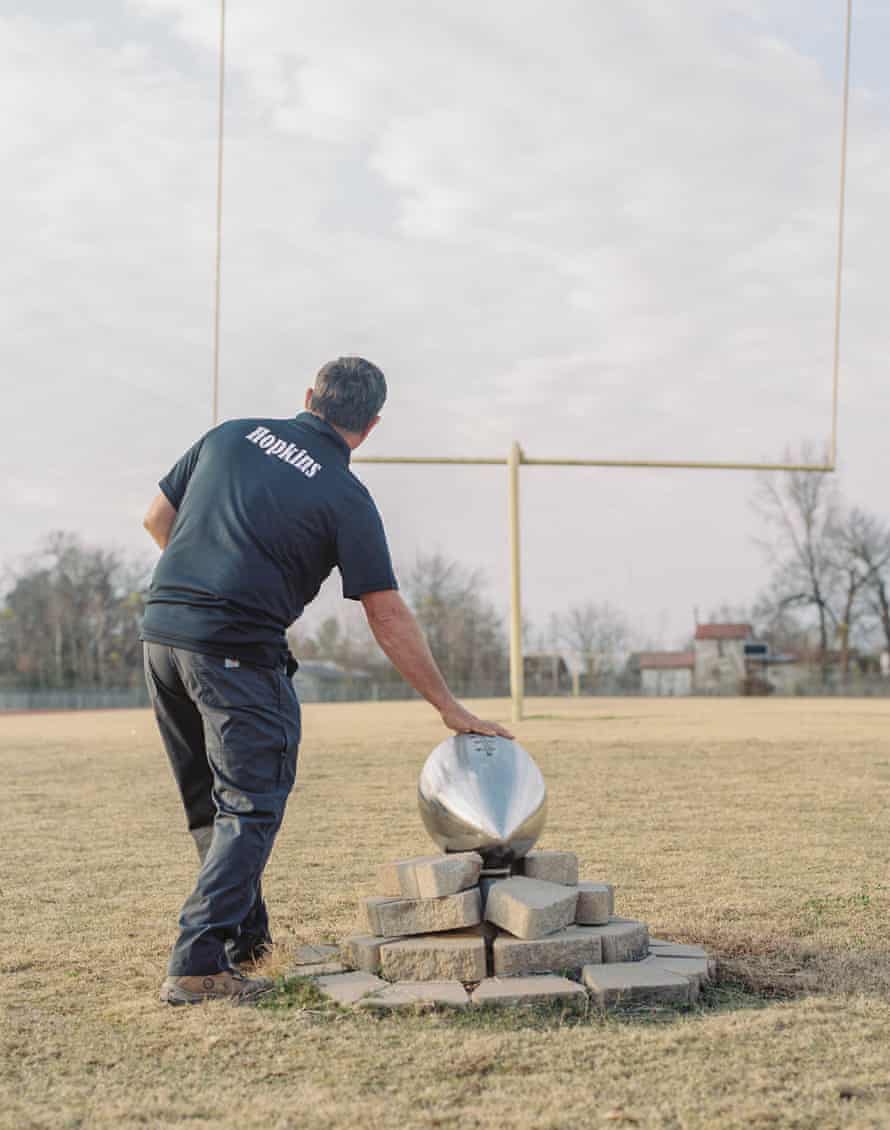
column 121, row 698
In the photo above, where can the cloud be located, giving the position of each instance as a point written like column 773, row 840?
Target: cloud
column 601, row 229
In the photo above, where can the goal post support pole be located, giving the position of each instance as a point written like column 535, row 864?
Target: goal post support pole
column 517, row 673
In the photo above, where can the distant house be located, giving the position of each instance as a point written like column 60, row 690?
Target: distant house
column 781, row 673
column 546, row 672
column 666, row 672
column 721, row 656
column 728, row 659
column 725, row 659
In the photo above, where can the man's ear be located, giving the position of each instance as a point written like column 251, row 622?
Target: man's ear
column 308, row 401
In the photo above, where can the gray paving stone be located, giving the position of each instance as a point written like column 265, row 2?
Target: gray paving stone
column 596, row 903
column 702, row 970
column 624, row 940
column 312, row 954
column 567, row 950
column 495, row 992
column 431, row 876
column 420, row 995
column 316, row 968
column 637, row 983
column 530, row 908
column 348, row 988
column 438, row 957
column 552, row 866
column 362, row 951
column 677, row 949
column 658, row 947
column 397, row 917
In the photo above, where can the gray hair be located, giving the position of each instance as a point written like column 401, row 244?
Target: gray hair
column 349, row 393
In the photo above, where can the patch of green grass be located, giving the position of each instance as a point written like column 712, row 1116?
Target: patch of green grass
column 296, row 993
column 300, row 994
column 828, row 908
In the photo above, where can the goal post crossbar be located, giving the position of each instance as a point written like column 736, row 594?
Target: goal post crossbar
column 516, row 459
column 653, row 464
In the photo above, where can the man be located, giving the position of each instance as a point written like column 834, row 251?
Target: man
column 251, row 520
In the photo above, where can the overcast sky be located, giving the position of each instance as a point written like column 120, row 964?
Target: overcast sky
column 601, row 229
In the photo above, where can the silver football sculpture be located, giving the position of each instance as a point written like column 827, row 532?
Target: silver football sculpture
column 485, row 794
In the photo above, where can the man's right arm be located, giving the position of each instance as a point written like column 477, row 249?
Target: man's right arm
column 400, row 638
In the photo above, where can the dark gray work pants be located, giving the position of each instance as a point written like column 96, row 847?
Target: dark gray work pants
column 231, row 733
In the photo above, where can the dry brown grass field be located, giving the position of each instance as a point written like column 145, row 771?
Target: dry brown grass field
column 757, row 827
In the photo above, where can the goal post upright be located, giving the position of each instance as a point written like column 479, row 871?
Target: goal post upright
column 517, row 670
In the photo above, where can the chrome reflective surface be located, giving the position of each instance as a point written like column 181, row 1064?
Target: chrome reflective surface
column 482, row 794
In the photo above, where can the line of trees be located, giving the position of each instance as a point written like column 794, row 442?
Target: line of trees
column 70, row 615
column 468, row 635
column 463, row 628
column 71, row 612
column 70, row 618
column 597, row 635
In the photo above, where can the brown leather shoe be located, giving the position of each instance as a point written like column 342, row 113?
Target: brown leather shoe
column 228, row 985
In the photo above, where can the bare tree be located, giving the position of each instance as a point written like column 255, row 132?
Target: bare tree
column 344, row 640
column 860, row 557
column 781, row 627
column 328, row 638
column 463, row 629
column 802, row 514
column 71, row 618
column 865, row 545
column 599, row 633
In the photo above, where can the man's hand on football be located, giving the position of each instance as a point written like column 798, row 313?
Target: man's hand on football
column 459, row 719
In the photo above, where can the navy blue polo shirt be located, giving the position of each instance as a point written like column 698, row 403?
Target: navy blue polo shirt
column 265, row 510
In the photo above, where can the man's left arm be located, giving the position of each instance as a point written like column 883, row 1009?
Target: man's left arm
column 165, row 505
column 159, row 519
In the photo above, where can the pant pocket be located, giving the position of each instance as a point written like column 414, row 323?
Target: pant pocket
column 241, row 713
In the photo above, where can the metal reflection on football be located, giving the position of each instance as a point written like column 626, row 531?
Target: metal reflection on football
column 485, row 794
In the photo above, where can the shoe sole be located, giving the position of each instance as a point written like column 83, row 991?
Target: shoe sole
column 176, row 996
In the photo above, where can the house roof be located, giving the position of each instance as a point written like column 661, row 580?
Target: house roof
column 724, row 632
column 666, row 660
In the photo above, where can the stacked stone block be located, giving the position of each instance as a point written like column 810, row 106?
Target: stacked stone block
column 446, row 933
column 531, row 908
column 552, row 866
column 431, row 876
column 444, row 957
column 395, row 917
